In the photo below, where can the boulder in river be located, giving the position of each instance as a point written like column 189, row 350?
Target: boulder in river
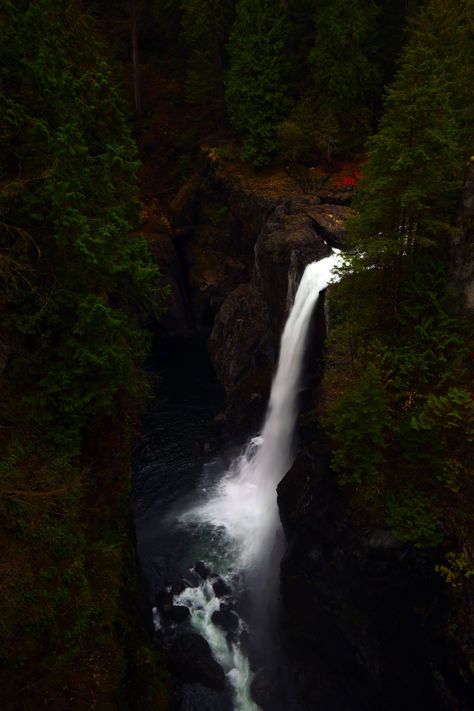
column 262, row 691
column 221, row 588
column 164, row 600
column 226, row 619
column 179, row 587
column 202, row 569
column 190, row 658
column 196, row 697
column 192, row 579
column 178, row 613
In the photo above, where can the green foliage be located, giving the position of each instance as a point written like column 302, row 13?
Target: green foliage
column 309, row 133
column 344, row 67
column 422, row 138
column 363, row 424
column 342, row 71
column 400, row 411
column 457, row 569
column 398, row 360
column 300, row 40
column 75, row 287
column 411, row 518
column 67, row 202
column 256, row 86
column 205, row 32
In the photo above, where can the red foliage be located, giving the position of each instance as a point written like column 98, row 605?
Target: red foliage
column 348, row 180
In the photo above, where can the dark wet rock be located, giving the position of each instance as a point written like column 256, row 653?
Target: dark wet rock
column 202, row 569
column 190, row 658
column 241, row 351
column 226, row 619
column 352, row 596
column 179, row 587
column 164, row 600
column 287, row 244
column 212, row 275
column 221, row 588
column 209, row 445
column 164, row 635
column 262, row 691
column 243, row 604
column 192, row 579
column 336, row 196
column 184, row 206
column 195, row 697
column 178, row 613
column 330, row 222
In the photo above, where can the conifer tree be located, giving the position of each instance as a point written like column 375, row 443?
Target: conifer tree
column 257, row 82
column 340, row 59
column 73, row 274
column 72, row 284
column 398, row 380
column 415, row 169
column 344, row 67
column 205, row 32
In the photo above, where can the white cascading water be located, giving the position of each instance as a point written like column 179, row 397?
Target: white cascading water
column 244, row 504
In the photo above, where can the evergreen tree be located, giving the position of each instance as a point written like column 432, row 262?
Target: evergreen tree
column 340, row 59
column 344, row 67
column 205, row 33
column 73, row 275
column 72, row 284
column 398, row 383
column 301, row 39
column 257, row 83
column 415, row 169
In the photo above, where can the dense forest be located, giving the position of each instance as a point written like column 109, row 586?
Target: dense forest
column 108, row 112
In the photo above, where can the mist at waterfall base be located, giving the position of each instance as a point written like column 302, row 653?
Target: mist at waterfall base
column 232, row 524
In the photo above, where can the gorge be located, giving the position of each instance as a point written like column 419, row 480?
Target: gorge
column 333, row 622
column 228, row 481
column 236, row 526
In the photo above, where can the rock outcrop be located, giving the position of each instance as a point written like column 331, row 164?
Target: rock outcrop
column 232, row 250
column 365, row 617
column 241, row 243
column 190, row 659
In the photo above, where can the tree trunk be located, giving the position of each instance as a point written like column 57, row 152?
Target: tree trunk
column 136, row 68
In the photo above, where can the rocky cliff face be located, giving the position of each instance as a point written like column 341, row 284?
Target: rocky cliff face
column 365, row 617
column 234, row 252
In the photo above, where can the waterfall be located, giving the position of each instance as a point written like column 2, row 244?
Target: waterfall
column 242, row 508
